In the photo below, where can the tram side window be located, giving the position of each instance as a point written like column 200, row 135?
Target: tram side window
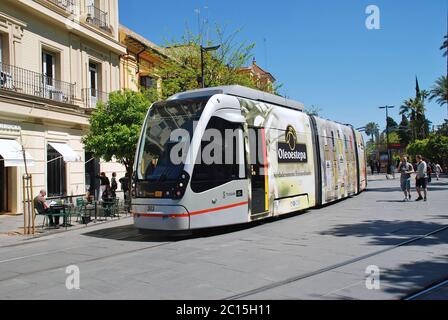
column 227, row 166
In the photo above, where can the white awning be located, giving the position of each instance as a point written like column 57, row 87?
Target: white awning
column 66, row 152
column 12, row 154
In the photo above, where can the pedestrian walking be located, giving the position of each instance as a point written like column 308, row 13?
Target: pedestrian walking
column 438, row 170
column 378, row 166
column 372, row 166
column 422, row 179
column 429, row 165
column 406, row 169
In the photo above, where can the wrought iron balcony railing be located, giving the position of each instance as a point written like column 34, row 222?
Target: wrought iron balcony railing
column 67, row 5
column 91, row 97
column 97, row 17
column 19, row 80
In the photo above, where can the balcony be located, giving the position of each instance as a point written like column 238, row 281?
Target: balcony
column 22, row 81
column 98, row 18
column 92, row 97
column 66, row 5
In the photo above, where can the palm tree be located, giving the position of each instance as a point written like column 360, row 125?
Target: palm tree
column 444, row 46
column 408, row 108
column 439, row 91
column 372, row 130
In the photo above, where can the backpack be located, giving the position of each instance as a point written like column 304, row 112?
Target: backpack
column 114, row 185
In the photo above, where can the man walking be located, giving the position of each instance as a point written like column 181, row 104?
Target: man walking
column 406, row 169
column 438, row 170
column 422, row 179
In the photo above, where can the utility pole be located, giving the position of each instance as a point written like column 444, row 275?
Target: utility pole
column 387, row 137
column 203, row 50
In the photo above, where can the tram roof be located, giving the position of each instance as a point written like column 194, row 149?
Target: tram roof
column 242, row 92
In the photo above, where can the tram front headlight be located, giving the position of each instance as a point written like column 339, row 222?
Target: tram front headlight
column 181, row 186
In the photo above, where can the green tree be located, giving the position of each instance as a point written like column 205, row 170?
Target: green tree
column 394, row 138
column 404, row 131
column 115, row 127
column 439, row 91
column 393, row 125
column 313, row 111
column 221, row 67
column 443, row 130
column 438, row 149
column 372, row 130
column 419, row 147
column 435, row 148
column 415, row 111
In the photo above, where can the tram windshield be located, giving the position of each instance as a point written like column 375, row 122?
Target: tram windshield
column 155, row 161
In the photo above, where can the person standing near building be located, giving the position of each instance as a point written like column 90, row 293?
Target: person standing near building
column 422, row 179
column 406, row 169
column 104, row 182
column 114, row 185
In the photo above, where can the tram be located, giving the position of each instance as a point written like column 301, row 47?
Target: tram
column 233, row 155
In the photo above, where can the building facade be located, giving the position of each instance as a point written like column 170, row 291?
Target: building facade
column 139, row 63
column 58, row 58
column 264, row 80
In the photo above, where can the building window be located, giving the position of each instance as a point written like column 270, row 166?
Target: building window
column 49, row 67
column 93, row 78
column 4, row 49
column 56, row 173
column 147, row 82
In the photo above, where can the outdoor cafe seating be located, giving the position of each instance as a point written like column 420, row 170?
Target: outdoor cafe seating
column 82, row 211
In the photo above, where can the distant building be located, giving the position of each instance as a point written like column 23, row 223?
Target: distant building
column 58, row 58
column 263, row 79
column 142, row 57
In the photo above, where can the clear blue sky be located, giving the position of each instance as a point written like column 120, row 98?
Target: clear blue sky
column 321, row 50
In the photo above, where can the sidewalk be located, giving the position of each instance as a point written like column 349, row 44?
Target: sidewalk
column 11, row 228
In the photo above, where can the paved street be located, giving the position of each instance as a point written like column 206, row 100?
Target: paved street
column 321, row 254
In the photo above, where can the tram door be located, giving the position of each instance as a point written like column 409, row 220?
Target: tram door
column 259, row 172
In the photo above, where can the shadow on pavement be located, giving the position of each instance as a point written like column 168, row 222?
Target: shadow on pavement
column 390, row 201
column 130, row 233
column 413, row 277
column 390, row 233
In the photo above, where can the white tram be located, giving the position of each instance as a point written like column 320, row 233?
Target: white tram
column 232, row 155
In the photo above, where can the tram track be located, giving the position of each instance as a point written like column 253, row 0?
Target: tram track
column 24, row 274
column 428, row 290
column 253, row 291
column 321, row 271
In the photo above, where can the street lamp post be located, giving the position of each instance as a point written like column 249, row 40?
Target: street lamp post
column 387, row 137
column 203, row 50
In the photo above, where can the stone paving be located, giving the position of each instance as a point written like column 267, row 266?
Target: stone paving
column 321, row 254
